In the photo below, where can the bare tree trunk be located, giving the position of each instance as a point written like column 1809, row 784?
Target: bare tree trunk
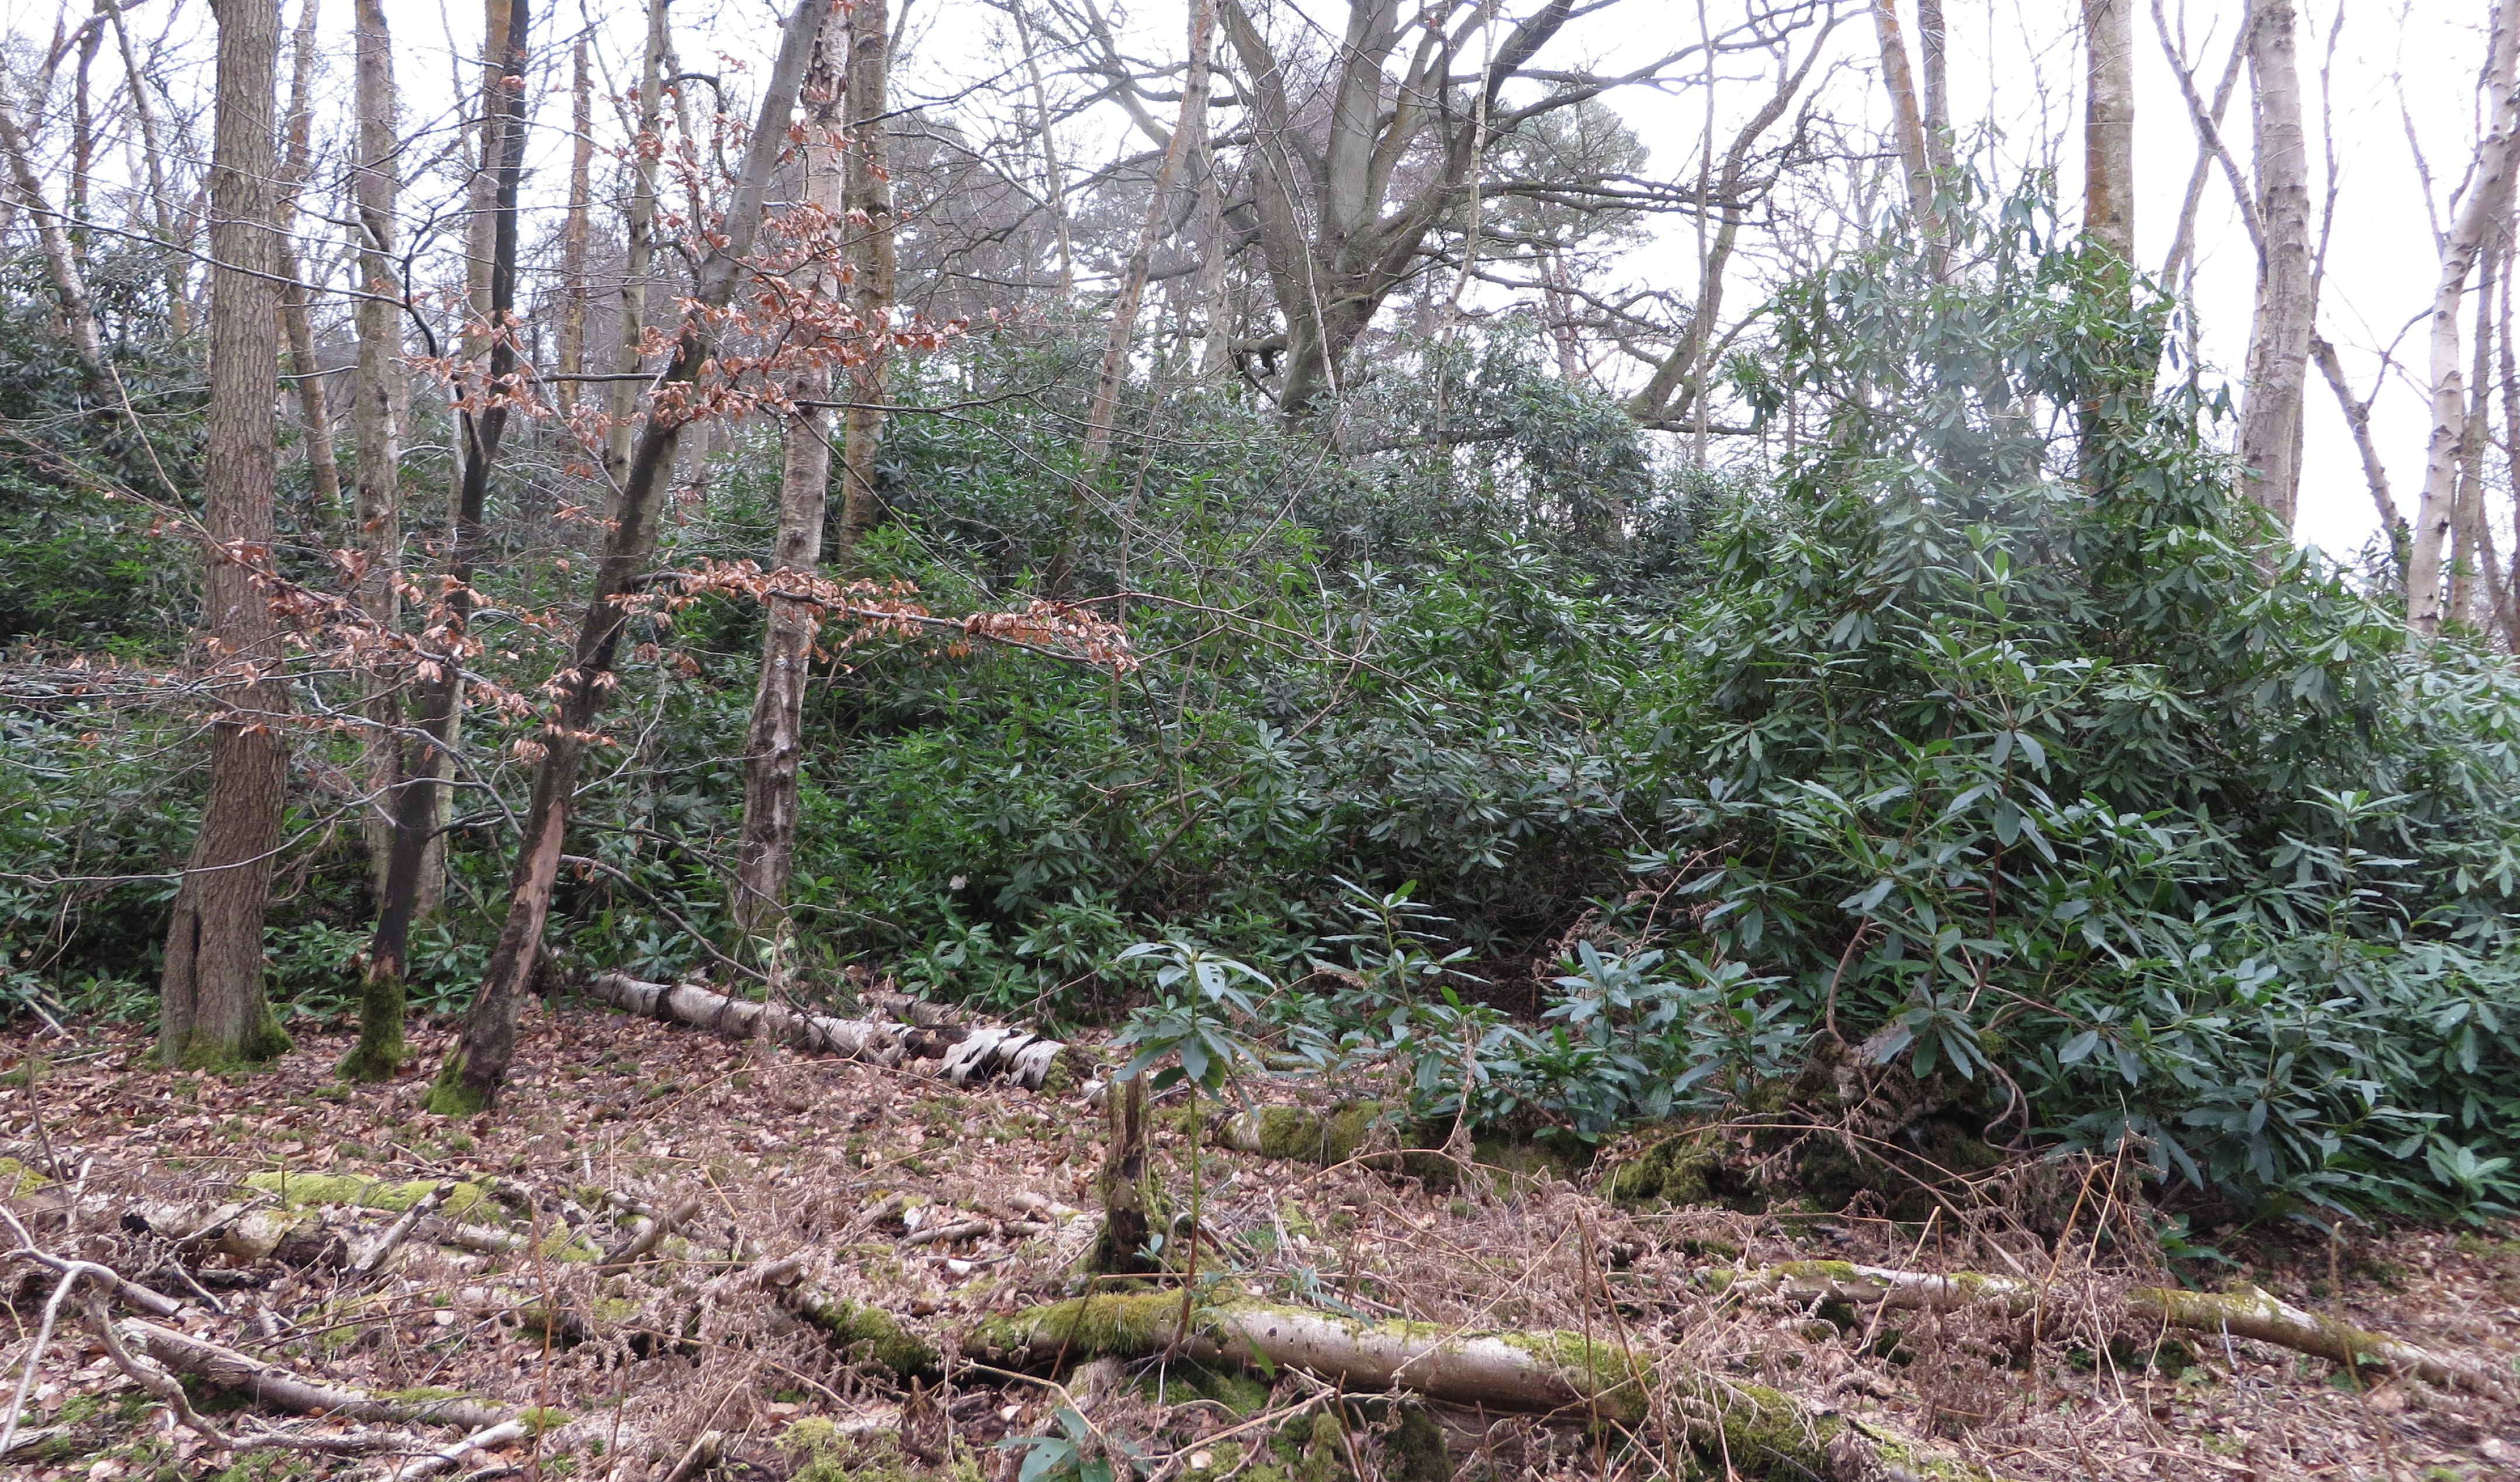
column 78, row 314
column 2279, row 361
column 323, row 469
column 211, row 1006
column 1933, row 48
column 472, row 1077
column 2506, row 591
column 2472, row 550
column 1103, row 412
column 2358, row 421
column 380, row 402
column 1054, row 177
column 641, row 247
column 179, row 306
column 2109, row 126
column 1906, row 120
column 2482, row 213
column 420, row 802
column 574, row 230
column 872, row 266
column 774, row 743
column 82, row 140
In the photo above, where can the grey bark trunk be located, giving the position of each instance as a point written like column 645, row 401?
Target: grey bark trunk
column 323, row 467
column 773, row 742
column 871, row 265
column 60, row 263
column 212, row 1010
column 2278, row 357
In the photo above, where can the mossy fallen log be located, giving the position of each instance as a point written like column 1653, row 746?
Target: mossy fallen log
column 868, row 1334
column 1757, row 1431
column 270, row 1384
column 2247, row 1313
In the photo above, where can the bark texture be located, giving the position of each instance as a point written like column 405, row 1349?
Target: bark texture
column 2108, row 126
column 2481, row 214
column 60, row 263
column 297, row 322
column 2279, row 359
column 773, row 742
column 639, row 227
column 212, row 1010
column 473, row 1073
column 872, row 267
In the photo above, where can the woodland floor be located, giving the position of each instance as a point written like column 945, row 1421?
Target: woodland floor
column 846, row 1163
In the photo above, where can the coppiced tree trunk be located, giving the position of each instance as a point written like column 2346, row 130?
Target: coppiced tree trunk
column 872, row 266
column 2480, row 214
column 60, row 263
column 773, row 742
column 420, row 802
column 2278, row 357
column 211, row 1007
column 574, row 229
column 379, row 401
column 323, row 470
column 472, row 1077
column 1102, row 412
column 639, row 244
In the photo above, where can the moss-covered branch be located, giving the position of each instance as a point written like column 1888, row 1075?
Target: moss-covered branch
column 1757, row 1431
column 2247, row 1313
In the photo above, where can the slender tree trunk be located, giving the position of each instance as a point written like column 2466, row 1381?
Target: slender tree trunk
column 82, row 140
column 420, row 802
column 774, row 743
column 2358, row 422
column 323, row 467
column 1933, row 47
column 2278, row 357
column 2472, row 549
column 2481, row 214
column 2506, row 591
column 381, row 396
column 574, row 230
column 1054, row 177
column 872, row 266
column 60, row 263
column 472, row 1077
column 639, row 230
column 2108, row 127
column 1906, row 120
column 161, row 211
column 1103, row 412
column 210, row 995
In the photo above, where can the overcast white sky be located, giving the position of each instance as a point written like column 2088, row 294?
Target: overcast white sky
column 2015, row 67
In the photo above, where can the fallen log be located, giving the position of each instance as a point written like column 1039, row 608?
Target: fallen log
column 2246, row 1313
column 738, row 1019
column 866, row 1333
column 1755, row 1430
column 276, row 1386
column 982, row 1053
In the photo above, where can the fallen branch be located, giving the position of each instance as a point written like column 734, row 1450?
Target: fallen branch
column 650, row 1235
column 736, row 1018
column 273, row 1386
column 399, row 1231
column 867, row 1334
column 1754, row 1429
column 169, row 1391
column 446, row 1459
column 2247, row 1313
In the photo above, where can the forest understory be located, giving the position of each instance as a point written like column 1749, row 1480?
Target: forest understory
column 846, row 1247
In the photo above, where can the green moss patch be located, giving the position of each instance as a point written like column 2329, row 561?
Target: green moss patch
column 299, row 1190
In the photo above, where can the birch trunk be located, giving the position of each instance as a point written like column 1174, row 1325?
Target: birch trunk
column 211, row 1006
column 2472, row 550
column 574, row 229
column 641, row 247
column 2278, row 357
column 323, row 470
column 1906, row 120
column 1933, row 49
column 2108, row 126
column 2482, row 213
column 1103, row 412
column 161, row 211
column 872, row 266
column 381, row 396
column 774, row 743
column 60, row 265
column 474, row 1072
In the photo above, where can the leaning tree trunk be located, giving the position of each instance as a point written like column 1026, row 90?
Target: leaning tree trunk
column 871, row 265
column 2482, row 212
column 211, row 1005
column 380, row 398
column 419, row 797
column 774, row 743
column 323, row 469
column 1103, row 412
column 2279, row 359
column 638, row 229
column 471, row 1079
column 70, row 286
